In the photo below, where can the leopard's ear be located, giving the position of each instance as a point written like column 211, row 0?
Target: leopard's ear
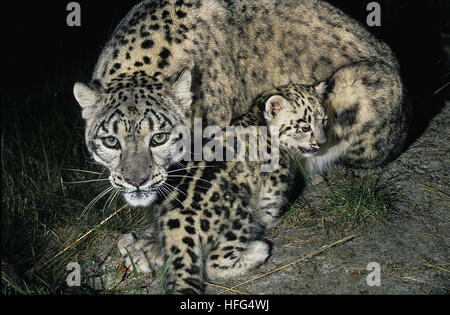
column 321, row 88
column 274, row 106
column 87, row 97
column 181, row 88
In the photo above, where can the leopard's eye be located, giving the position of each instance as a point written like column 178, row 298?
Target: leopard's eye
column 111, row 143
column 306, row 129
column 159, row 139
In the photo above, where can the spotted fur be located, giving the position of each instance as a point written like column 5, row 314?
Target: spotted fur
column 298, row 112
column 169, row 61
column 362, row 132
column 211, row 216
column 233, row 50
column 340, row 126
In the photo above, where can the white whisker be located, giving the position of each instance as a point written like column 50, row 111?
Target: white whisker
column 165, row 190
column 206, row 188
column 190, row 168
column 194, row 153
column 97, row 198
column 193, row 177
column 81, row 171
column 86, row 181
column 104, row 169
column 110, row 199
column 181, row 192
column 160, row 191
column 171, row 194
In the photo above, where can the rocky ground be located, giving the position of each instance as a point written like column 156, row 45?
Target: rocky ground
column 411, row 248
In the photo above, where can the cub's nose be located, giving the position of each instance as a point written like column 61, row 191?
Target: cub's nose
column 136, row 182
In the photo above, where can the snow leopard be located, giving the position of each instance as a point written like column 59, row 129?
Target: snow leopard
column 171, row 61
column 234, row 49
column 209, row 216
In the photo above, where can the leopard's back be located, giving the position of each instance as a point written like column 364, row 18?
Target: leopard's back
column 265, row 43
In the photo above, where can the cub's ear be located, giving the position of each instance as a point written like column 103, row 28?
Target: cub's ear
column 87, row 97
column 181, row 88
column 274, row 107
column 321, row 88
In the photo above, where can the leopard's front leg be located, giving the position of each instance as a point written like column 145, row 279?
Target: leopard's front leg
column 141, row 251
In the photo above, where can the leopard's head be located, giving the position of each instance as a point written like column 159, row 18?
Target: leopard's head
column 129, row 126
column 298, row 113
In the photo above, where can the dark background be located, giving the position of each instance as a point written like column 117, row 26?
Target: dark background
column 42, row 130
column 39, row 41
column 41, row 48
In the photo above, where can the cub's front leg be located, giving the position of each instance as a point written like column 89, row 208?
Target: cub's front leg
column 181, row 238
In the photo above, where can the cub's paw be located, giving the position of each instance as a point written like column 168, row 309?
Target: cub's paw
column 142, row 254
column 257, row 253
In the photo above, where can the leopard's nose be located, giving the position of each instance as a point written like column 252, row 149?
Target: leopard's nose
column 136, row 182
column 321, row 142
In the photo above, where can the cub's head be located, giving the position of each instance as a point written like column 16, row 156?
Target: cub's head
column 129, row 126
column 298, row 113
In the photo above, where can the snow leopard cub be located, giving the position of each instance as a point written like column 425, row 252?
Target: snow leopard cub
column 210, row 216
column 340, row 125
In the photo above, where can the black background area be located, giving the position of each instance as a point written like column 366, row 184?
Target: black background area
column 39, row 46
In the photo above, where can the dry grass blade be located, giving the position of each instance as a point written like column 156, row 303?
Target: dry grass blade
column 81, row 238
column 412, row 278
column 312, row 254
column 441, row 88
column 438, row 269
column 226, row 288
column 435, row 190
column 407, row 278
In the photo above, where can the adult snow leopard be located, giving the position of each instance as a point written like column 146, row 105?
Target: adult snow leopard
column 235, row 49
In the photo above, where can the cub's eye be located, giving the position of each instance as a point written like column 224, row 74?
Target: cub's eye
column 306, row 129
column 159, row 139
column 111, row 143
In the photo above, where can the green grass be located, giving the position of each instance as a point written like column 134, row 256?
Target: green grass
column 38, row 286
column 164, row 277
column 345, row 202
column 42, row 146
